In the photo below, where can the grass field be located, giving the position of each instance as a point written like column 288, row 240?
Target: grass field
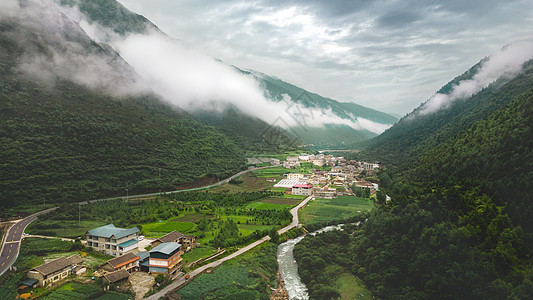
column 250, row 183
column 62, row 228
column 351, row 287
column 77, row 291
column 246, row 229
column 323, row 210
column 274, row 203
column 190, row 218
column 244, row 277
column 197, row 253
column 284, row 201
column 158, row 229
column 272, row 172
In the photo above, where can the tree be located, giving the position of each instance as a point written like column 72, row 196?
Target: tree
column 366, row 193
column 160, row 278
column 381, row 197
column 274, row 236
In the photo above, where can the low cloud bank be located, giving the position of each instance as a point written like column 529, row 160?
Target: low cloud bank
column 507, row 63
column 182, row 75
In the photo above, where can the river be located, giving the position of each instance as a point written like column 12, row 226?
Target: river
column 289, row 269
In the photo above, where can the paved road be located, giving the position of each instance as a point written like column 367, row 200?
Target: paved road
column 180, row 281
column 179, row 191
column 12, row 239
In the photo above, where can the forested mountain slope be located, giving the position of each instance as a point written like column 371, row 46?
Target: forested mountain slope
column 64, row 137
column 459, row 222
column 111, row 14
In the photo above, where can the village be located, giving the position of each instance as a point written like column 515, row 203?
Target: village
column 149, row 262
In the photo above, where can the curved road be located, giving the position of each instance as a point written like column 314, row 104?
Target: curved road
column 11, row 241
column 180, row 281
column 179, row 191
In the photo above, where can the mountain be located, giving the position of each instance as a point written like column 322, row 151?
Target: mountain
column 416, row 133
column 346, row 123
column 458, row 225
column 73, row 126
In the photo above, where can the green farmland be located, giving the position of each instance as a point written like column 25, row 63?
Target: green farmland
column 323, row 210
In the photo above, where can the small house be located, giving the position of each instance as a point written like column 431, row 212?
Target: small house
column 54, row 270
column 302, row 189
column 117, row 276
column 128, row 262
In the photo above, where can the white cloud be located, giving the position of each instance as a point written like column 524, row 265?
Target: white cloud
column 507, row 62
column 388, row 55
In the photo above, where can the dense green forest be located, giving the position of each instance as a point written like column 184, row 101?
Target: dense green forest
column 249, row 133
column 62, row 141
column 458, row 225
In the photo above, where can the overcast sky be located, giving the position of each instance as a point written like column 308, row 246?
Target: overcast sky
column 388, row 55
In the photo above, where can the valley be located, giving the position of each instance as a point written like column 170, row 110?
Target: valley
column 230, row 150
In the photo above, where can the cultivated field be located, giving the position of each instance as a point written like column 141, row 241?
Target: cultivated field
column 323, row 210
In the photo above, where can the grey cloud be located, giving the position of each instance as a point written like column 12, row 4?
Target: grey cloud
column 364, row 41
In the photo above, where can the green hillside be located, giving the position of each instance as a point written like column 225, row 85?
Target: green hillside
column 458, row 225
column 249, row 133
column 61, row 141
column 461, row 217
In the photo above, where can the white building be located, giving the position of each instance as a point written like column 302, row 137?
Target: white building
column 295, row 176
column 302, row 189
column 112, row 240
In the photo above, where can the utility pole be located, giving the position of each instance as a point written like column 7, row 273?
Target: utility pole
column 159, row 181
column 79, row 214
column 127, row 194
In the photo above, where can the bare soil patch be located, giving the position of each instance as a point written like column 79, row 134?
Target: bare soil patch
column 141, row 283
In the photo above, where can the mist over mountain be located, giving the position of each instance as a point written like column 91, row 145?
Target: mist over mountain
column 468, row 98
column 79, row 123
column 198, row 83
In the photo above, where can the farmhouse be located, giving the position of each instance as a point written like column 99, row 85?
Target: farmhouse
column 117, row 276
column 326, row 193
column 55, row 270
column 112, row 240
column 295, row 176
column 128, row 262
column 302, row 189
column 187, row 241
column 165, row 258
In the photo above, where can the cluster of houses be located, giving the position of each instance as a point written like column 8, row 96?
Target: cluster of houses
column 324, row 184
column 163, row 258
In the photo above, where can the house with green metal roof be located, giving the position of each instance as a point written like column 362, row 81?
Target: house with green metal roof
column 112, row 240
column 165, row 258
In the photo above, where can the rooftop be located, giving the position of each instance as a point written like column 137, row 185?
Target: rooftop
column 289, row 183
column 110, row 230
column 122, row 260
column 171, row 237
column 128, row 243
column 306, row 186
column 53, row 266
column 166, row 248
column 117, row 276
